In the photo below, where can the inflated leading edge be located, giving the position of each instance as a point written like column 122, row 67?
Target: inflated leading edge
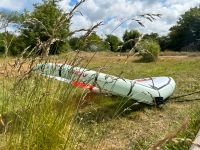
column 153, row 90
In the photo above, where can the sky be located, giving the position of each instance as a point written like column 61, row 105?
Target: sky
column 112, row 12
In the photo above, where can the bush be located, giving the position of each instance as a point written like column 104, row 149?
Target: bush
column 74, row 43
column 149, row 50
column 127, row 46
column 113, row 42
column 129, row 39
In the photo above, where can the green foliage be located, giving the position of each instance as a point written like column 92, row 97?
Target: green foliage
column 7, row 18
column 47, row 25
column 51, row 1
column 74, row 43
column 114, row 42
column 45, row 22
column 14, row 43
column 133, row 34
column 152, row 36
column 129, row 39
column 59, row 47
column 187, row 30
column 49, row 20
column 127, row 46
column 149, row 50
column 17, row 46
column 92, row 43
column 164, row 42
column 1, row 44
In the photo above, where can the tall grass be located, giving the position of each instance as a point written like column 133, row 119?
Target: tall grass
column 185, row 139
column 41, row 113
column 37, row 112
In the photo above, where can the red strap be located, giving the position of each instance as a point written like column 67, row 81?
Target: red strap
column 82, row 85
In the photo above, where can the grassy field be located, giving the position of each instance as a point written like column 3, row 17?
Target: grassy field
column 39, row 113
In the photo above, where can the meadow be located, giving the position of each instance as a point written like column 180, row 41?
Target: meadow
column 41, row 113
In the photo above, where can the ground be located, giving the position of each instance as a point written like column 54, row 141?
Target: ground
column 110, row 122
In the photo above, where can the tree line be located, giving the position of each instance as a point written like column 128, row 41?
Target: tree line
column 46, row 30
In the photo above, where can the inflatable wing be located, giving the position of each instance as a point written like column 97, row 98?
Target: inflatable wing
column 151, row 91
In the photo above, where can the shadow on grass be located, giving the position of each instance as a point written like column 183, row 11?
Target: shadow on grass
column 141, row 60
column 101, row 109
column 117, row 108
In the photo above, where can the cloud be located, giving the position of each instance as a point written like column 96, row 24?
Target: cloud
column 96, row 10
column 112, row 11
column 8, row 4
column 17, row 5
column 65, row 5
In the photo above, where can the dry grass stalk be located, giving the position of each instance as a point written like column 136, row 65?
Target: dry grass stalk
column 170, row 136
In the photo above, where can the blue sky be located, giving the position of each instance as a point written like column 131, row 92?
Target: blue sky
column 113, row 11
column 17, row 5
column 20, row 5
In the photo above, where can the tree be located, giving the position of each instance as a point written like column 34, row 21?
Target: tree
column 1, row 44
column 91, row 43
column 6, row 20
column 45, row 31
column 113, row 41
column 74, row 43
column 151, row 36
column 187, row 30
column 49, row 32
column 164, row 42
column 128, row 35
column 52, row 1
column 129, row 38
column 14, row 46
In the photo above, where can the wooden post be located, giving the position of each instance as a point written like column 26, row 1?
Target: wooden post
column 196, row 143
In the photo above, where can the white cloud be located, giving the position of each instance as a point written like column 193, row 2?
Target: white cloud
column 65, row 4
column 96, row 10
column 13, row 5
column 80, row 22
column 111, row 11
column 18, row 5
